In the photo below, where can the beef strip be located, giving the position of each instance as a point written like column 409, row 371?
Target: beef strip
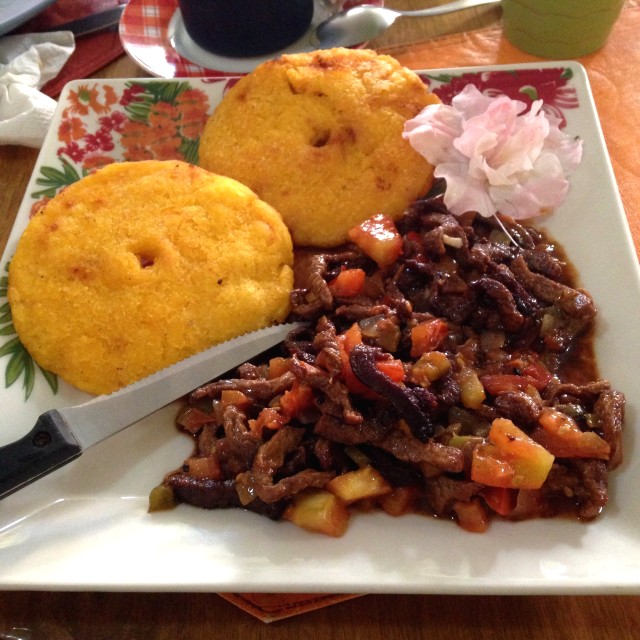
column 572, row 302
column 407, row 448
column 582, row 483
column 442, row 492
column 609, row 410
column 519, row 407
column 499, row 294
column 257, row 389
column 326, row 345
column 259, row 480
column 337, row 430
column 218, row 494
column 335, row 392
column 237, row 449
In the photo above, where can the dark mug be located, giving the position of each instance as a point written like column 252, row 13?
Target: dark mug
column 243, row 28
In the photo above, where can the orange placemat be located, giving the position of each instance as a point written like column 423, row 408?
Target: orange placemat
column 614, row 75
column 271, row 607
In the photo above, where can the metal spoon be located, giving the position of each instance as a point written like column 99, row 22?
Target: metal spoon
column 364, row 22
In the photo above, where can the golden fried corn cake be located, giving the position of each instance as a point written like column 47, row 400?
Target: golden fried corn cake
column 142, row 264
column 319, row 136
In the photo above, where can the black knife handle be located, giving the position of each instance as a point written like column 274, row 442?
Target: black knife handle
column 48, row 446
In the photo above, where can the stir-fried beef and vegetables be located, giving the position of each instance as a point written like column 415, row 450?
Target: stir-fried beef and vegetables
column 446, row 367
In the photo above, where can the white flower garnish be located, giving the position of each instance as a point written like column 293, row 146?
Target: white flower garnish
column 494, row 157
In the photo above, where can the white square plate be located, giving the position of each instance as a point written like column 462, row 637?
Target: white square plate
column 86, row 525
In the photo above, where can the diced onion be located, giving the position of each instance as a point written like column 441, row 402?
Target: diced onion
column 452, row 241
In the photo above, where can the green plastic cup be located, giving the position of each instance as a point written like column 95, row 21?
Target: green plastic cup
column 559, row 28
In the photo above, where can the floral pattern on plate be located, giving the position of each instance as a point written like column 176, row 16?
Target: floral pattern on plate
column 552, row 85
column 104, row 122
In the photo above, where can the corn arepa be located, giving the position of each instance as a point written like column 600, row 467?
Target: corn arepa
column 319, row 137
column 141, row 264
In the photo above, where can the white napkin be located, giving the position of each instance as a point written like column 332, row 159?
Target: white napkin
column 27, row 63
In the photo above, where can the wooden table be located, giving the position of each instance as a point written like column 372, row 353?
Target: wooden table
column 145, row 616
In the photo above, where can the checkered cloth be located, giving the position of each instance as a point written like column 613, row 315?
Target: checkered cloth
column 145, row 29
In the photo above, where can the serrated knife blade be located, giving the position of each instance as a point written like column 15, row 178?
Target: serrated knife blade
column 61, row 435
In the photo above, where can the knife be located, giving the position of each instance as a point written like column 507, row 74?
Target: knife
column 107, row 20
column 61, row 435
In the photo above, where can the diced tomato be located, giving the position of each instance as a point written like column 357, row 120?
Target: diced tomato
column 278, row 366
column 489, row 467
column 349, row 339
column 346, row 342
column 589, row 445
column 530, row 461
column 235, row 397
column 472, row 515
column 562, row 436
column 192, row 419
column 394, row 369
column 269, row 418
column 379, row 239
column 500, row 499
column 296, row 399
column 348, row 283
column 428, row 336
column 511, row 459
column 529, row 364
column 352, row 337
column 524, row 370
